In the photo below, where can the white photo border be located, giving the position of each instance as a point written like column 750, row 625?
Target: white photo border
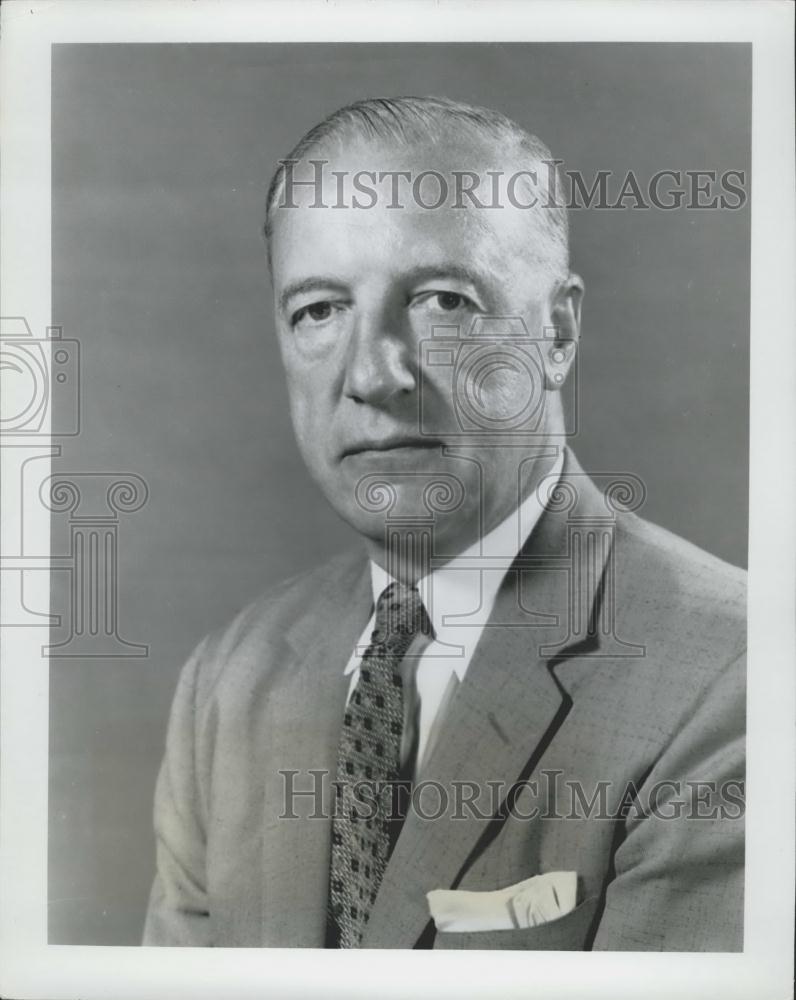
column 29, row 967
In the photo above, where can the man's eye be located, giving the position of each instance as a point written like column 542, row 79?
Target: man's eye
column 450, row 301
column 317, row 312
column 447, row 302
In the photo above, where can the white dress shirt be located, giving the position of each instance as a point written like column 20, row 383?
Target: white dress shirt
column 459, row 602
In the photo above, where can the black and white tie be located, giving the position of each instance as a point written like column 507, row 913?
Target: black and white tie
column 369, row 758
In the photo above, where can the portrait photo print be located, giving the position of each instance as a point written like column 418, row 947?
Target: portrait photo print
column 401, row 512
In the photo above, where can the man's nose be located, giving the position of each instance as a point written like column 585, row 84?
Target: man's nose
column 380, row 364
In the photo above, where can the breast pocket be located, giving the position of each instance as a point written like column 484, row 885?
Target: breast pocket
column 568, row 933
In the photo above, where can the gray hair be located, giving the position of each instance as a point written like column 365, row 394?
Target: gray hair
column 407, row 119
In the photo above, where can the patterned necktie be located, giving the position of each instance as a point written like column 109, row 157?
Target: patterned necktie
column 369, row 753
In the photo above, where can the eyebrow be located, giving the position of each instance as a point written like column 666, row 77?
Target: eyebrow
column 310, row 285
column 445, row 270
column 426, row 272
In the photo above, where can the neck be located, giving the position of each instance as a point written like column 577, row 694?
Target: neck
column 406, row 553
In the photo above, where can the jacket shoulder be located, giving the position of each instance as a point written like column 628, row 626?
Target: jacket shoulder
column 694, row 592
column 261, row 625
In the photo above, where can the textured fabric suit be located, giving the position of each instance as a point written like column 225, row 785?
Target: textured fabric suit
column 536, row 709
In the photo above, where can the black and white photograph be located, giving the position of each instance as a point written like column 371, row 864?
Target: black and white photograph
column 398, row 539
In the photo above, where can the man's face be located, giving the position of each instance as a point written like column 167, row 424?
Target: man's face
column 358, row 293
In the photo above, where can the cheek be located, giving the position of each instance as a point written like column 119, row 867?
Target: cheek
column 311, row 398
column 313, row 361
column 320, row 344
column 300, row 381
column 514, row 392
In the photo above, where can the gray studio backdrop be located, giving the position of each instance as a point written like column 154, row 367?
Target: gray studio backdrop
column 160, row 159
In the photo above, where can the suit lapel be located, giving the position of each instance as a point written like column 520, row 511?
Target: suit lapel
column 305, row 711
column 507, row 710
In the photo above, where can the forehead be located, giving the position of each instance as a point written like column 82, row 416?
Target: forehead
column 357, row 230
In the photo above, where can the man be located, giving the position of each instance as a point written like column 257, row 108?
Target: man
column 519, row 722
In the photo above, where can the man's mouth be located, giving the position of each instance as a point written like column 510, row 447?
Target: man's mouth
column 392, row 444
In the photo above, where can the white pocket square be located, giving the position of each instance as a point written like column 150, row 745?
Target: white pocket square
column 536, row 900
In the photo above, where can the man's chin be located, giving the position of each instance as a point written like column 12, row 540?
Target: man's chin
column 414, row 494
column 391, row 518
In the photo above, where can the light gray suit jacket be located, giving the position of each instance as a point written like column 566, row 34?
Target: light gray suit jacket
column 550, row 697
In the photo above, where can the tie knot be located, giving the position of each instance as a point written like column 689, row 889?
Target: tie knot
column 400, row 614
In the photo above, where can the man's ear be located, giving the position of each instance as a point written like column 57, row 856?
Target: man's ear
column 561, row 338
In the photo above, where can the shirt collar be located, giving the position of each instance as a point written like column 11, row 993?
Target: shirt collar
column 457, row 590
